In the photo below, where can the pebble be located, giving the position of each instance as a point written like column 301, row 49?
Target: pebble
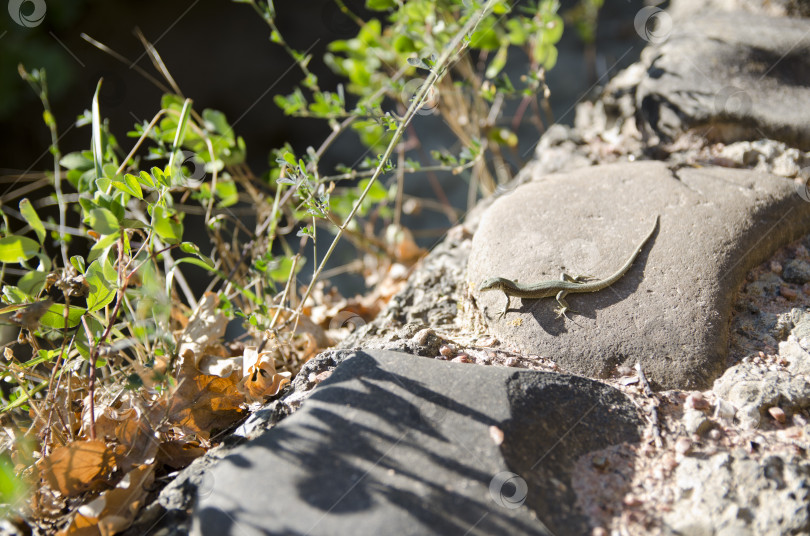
column 511, row 362
column 446, row 351
column 788, row 293
column 778, row 414
column 724, row 410
column 423, row 336
column 696, row 401
column 683, row 445
column 463, row 358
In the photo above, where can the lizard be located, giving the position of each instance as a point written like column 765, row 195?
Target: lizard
column 560, row 287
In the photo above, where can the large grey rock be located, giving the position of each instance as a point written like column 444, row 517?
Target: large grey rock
column 671, row 311
column 729, row 77
column 737, row 494
column 396, row 444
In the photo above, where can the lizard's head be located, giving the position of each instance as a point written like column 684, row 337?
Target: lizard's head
column 493, row 283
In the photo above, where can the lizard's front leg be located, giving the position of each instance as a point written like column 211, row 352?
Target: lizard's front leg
column 505, row 307
column 563, row 304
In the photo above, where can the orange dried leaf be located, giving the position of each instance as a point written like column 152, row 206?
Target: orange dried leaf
column 114, row 510
column 179, row 454
column 202, row 403
column 261, row 379
column 75, row 467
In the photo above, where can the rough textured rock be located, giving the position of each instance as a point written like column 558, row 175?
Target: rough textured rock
column 729, row 77
column 734, row 494
column 753, row 390
column 671, row 311
column 395, row 444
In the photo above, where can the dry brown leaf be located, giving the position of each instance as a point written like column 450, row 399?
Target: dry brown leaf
column 179, row 454
column 260, row 377
column 76, row 467
column 114, row 510
column 205, row 330
column 137, row 443
column 202, row 402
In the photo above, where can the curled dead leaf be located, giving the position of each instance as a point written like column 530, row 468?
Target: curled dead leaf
column 260, row 378
column 205, row 329
column 114, row 510
column 202, row 403
column 77, row 467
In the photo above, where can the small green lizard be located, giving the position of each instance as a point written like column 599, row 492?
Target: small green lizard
column 565, row 285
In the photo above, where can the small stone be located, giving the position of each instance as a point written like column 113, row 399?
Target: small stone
column 599, row 461
column 446, row 351
column 486, row 341
column 632, row 500
column 749, row 417
column 696, row 422
column 796, row 271
column 423, row 336
column 776, row 267
column 599, row 531
column 683, row 445
column 788, row 293
column 724, row 410
column 696, row 401
column 511, row 362
column 464, row 358
column 496, row 434
column 778, row 414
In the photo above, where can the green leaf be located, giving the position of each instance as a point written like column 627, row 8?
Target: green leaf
column 380, row 5
column 31, row 283
column 103, row 221
column 167, row 225
column 192, row 249
column 102, row 247
column 98, row 155
column 146, row 179
column 17, row 248
column 76, row 161
column 129, row 185
column 28, row 212
column 78, row 263
column 101, row 277
column 216, row 121
column 54, row 318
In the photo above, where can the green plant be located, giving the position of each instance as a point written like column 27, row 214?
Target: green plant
column 100, row 294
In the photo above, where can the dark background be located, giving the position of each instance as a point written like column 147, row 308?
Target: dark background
column 220, row 55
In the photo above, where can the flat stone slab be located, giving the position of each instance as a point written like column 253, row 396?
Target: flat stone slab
column 730, row 77
column 396, row 444
column 671, row 311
